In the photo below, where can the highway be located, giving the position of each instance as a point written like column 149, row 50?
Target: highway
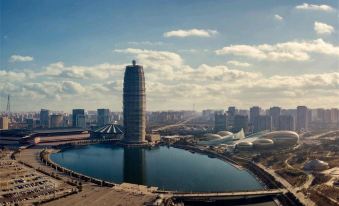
column 230, row 194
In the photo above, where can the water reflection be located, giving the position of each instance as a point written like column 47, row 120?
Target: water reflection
column 134, row 165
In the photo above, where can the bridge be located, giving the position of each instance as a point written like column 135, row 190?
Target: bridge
column 221, row 195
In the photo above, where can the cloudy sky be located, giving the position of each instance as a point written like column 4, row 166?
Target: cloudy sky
column 66, row 54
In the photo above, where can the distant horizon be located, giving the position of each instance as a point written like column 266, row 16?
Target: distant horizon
column 68, row 54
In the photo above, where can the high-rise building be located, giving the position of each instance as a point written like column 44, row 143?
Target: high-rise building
column 254, row 112
column 103, row 116
column 302, row 118
column 231, row 112
column 220, row 121
column 134, row 104
column 240, row 122
column 44, row 118
column 81, row 121
column 4, row 122
column 286, row 122
column 78, row 116
column 57, row 120
column 262, row 123
column 275, row 113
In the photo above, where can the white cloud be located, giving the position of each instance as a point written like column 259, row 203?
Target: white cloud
column 191, row 33
column 238, row 64
column 315, row 7
column 146, row 43
column 169, row 78
column 287, row 51
column 71, row 87
column 322, row 28
column 278, row 17
column 19, row 58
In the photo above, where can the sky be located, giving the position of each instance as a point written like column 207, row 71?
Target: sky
column 64, row 54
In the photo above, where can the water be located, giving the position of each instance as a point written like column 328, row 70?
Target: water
column 164, row 167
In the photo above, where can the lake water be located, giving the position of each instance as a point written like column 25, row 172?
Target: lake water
column 164, row 167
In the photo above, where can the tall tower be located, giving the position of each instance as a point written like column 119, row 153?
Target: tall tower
column 8, row 108
column 134, row 104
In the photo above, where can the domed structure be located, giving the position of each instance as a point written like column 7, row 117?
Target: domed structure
column 282, row 138
column 109, row 131
column 210, row 136
column 263, row 143
column 317, row 165
column 244, row 145
column 224, row 133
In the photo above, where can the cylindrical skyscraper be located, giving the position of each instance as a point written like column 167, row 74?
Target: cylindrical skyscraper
column 134, row 103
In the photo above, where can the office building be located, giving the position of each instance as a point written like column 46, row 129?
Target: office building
column 240, row 122
column 4, row 122
column 78, row 118
column 286, row 122
column 302, row 118
column 134, row 104
column 44, row 118
column 254, row 112
column 275, row 112
column 103, row 117
column 262, row 123
column 57, row 120
column 220, row 121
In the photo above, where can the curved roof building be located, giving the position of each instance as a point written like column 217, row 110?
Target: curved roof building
column 263, row 143
column 109, row 131
column 282, row 138
column 245, row 145
column 215, row 139
column 317, row 165
column 224, row 133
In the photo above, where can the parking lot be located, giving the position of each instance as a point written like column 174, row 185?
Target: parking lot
column 24, row 185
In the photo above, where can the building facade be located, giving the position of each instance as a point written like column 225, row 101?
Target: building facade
column 220, row 121
column 302, row 118
column 134, row 104
column 4, row 122
column 44, row 118
column 103, row 117
column 78, row 118
column 286, row 122
column 57, row 120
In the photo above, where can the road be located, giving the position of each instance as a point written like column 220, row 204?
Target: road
column 183, row 122
column 302, row 198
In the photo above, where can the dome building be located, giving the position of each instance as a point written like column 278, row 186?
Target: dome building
column 263, row 143
column 316, row 165
column 244, row 145
column 224, row 133
column 109, row 131
column 282, row 138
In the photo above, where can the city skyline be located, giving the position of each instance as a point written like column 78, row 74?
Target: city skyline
column 75, row 58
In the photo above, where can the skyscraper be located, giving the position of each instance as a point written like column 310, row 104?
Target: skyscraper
column 275, row 113
column 220, row 121
column 134, row 104
column 103, row 117
column 78, row 118
column 57, row 120
column 44, row 118
column 302, row 118
column 254, row 112
column 240, row 122
column 262, row 122
column 286, row 122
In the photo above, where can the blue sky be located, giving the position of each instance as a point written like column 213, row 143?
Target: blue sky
column 79, row 36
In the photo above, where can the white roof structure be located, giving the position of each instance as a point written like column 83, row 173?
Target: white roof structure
column 223, row 140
